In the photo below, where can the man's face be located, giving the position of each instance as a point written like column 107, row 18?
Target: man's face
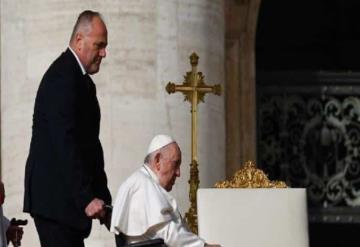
column 169, row 166
column 92, row 46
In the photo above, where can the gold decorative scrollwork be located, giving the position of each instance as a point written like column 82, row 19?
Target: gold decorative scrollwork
column 250, row 177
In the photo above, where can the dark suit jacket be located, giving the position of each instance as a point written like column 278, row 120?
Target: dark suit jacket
column 65, row 167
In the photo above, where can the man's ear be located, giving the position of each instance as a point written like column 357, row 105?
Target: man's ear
column 79, row 40
column 157, row 159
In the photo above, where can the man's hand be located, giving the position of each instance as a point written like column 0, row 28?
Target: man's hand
column 14, row 234
column 95, row 209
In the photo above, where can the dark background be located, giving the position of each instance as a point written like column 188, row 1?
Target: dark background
column 315, row 35
column 296, row 40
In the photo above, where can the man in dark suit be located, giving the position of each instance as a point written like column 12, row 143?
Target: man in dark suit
column 65, row 181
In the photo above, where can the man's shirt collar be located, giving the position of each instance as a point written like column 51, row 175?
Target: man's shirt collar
column 78, row 60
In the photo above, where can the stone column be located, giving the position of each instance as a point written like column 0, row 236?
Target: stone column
column 241, row 20
column 149, row 45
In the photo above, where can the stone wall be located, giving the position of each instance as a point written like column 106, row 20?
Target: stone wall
column 241, row 23
column 149, row 45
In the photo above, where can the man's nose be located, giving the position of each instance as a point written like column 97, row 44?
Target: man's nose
column 102, row 53
column 178, row 172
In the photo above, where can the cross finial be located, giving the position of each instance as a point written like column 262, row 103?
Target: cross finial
column 194, row 87
column 194, row 59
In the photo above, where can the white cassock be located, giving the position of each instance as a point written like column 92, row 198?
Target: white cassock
column 4, row 224
column 144, row 210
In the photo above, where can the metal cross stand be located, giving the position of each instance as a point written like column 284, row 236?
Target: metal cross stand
column 194, row 89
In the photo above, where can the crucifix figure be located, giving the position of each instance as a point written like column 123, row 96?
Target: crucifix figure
column 194, row 89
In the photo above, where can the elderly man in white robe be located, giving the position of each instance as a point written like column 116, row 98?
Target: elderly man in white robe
column 144, row 209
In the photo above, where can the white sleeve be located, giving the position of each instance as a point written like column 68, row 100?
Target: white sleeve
column 176, row 234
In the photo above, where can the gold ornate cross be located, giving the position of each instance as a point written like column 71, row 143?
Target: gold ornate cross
column 194, row 89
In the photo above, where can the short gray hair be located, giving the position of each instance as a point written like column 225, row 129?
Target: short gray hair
column 150, row 156
column 83, row 21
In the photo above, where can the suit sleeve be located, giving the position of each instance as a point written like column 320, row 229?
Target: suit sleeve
column 62, row 104
column 6, row 223
column 101, row 190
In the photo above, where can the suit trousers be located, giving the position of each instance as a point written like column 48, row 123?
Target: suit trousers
column 55, row 234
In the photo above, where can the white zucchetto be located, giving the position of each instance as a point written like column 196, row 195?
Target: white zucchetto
column 158, row 142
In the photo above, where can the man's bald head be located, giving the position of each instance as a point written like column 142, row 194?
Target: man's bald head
column 83, row 23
